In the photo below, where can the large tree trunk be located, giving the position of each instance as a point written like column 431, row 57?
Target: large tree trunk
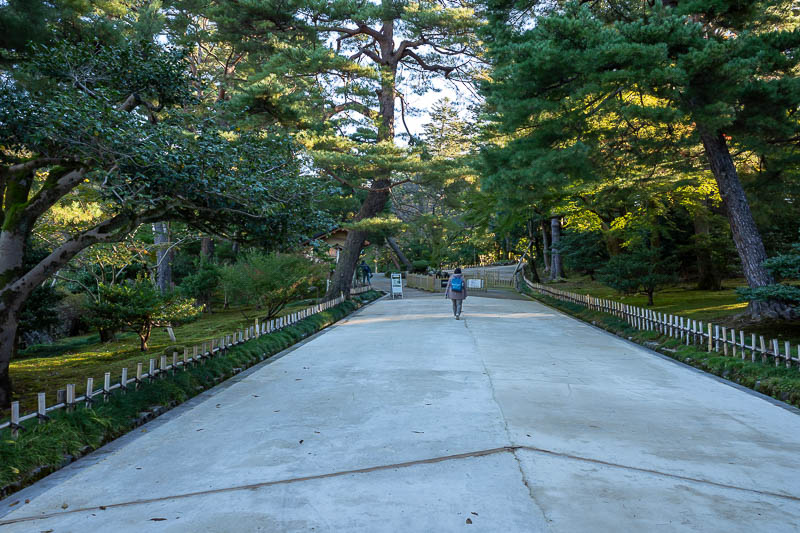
column 556, row 264
column 163, row 256
column 746, row 236
column 394, row 259
column 8, row 347
column 545, row 247
column 400, row 255
column 207, row 249
column 12, row 252
column 353, row 244
column 379, row 193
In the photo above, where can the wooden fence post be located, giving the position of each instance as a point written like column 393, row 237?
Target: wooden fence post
column 15, row 427
column 70, row 396
column 777, row 350
column 106, row 386
column 89, row 391
column 123, row 380
column 41, row 408
column 724, row 340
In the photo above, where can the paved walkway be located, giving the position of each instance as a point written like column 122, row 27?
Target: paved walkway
column 516, row 419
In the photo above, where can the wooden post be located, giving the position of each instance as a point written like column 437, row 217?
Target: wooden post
column 151, row 372
column 162, row 367
column 777, row 350
column 89, row 391
column 733, row 344
column 70, row 396
column 123, row 380
column 258, row 328
column 15, row 420
column 763, row 342
column 716, row 338
column 106, row 386
column 724, row 340
column 753, row 347
column 710, row 339
column 788, row 354
column 741, row 343
column 174, row 361
column 61, row 396
column 138, row 374
column 41, row 408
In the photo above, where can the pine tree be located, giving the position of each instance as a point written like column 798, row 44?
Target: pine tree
column 720, row 74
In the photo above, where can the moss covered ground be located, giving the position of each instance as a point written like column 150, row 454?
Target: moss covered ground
column 719, row 307
column 47, row 368
column 42, row 448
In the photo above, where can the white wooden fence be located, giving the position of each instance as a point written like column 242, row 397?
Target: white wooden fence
column 157, row 368
column 726, row 341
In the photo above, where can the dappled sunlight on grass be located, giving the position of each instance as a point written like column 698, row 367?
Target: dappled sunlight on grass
column 77, row 358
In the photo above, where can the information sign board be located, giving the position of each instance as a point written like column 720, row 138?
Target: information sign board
column 397, row 286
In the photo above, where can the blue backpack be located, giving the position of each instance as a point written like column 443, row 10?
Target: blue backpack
column 457, row 284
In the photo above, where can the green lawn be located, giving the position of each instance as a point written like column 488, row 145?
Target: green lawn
column 684, row 300
column 72, row 360
column 719, row 307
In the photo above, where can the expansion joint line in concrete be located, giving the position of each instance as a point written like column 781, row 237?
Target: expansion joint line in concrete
column 468, row 455
column 254, row 486
column 655, row 473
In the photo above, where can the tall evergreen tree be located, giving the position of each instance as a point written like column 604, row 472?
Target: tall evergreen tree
column 720, row 74
column 340, row 70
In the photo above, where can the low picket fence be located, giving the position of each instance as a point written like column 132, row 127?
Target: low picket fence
column 66, row 398
column 714, row 337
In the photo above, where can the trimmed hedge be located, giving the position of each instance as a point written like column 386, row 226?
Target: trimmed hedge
column 778, row 382
column 43, row 448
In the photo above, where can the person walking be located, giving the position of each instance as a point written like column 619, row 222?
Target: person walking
column 456, row 291
column 366, row 272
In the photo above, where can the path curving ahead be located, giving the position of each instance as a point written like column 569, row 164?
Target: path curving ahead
column 515, row 419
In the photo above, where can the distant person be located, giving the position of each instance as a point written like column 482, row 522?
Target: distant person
column 366, row 272
column 456, row 291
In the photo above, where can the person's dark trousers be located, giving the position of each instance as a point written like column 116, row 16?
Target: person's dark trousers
column 457, row 307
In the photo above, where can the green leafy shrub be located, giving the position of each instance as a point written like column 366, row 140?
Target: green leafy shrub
column 270, row 281
column 641, row 267
column 138, row 307
column 201, row 284
column 420, row 266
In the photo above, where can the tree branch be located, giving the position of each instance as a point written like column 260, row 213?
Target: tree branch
column 425, row 66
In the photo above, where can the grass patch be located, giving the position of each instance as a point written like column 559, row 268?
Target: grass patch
column 47, row 368
column 779, row 382
column 43, row 448
column 719, row 307
column 684, row 300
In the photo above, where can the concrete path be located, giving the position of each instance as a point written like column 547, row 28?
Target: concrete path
column 516, row 419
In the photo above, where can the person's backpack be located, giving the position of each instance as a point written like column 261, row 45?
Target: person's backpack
column 457, row 284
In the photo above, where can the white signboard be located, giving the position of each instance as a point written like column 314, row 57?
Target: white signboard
column 474, row 283
column 397, row 286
